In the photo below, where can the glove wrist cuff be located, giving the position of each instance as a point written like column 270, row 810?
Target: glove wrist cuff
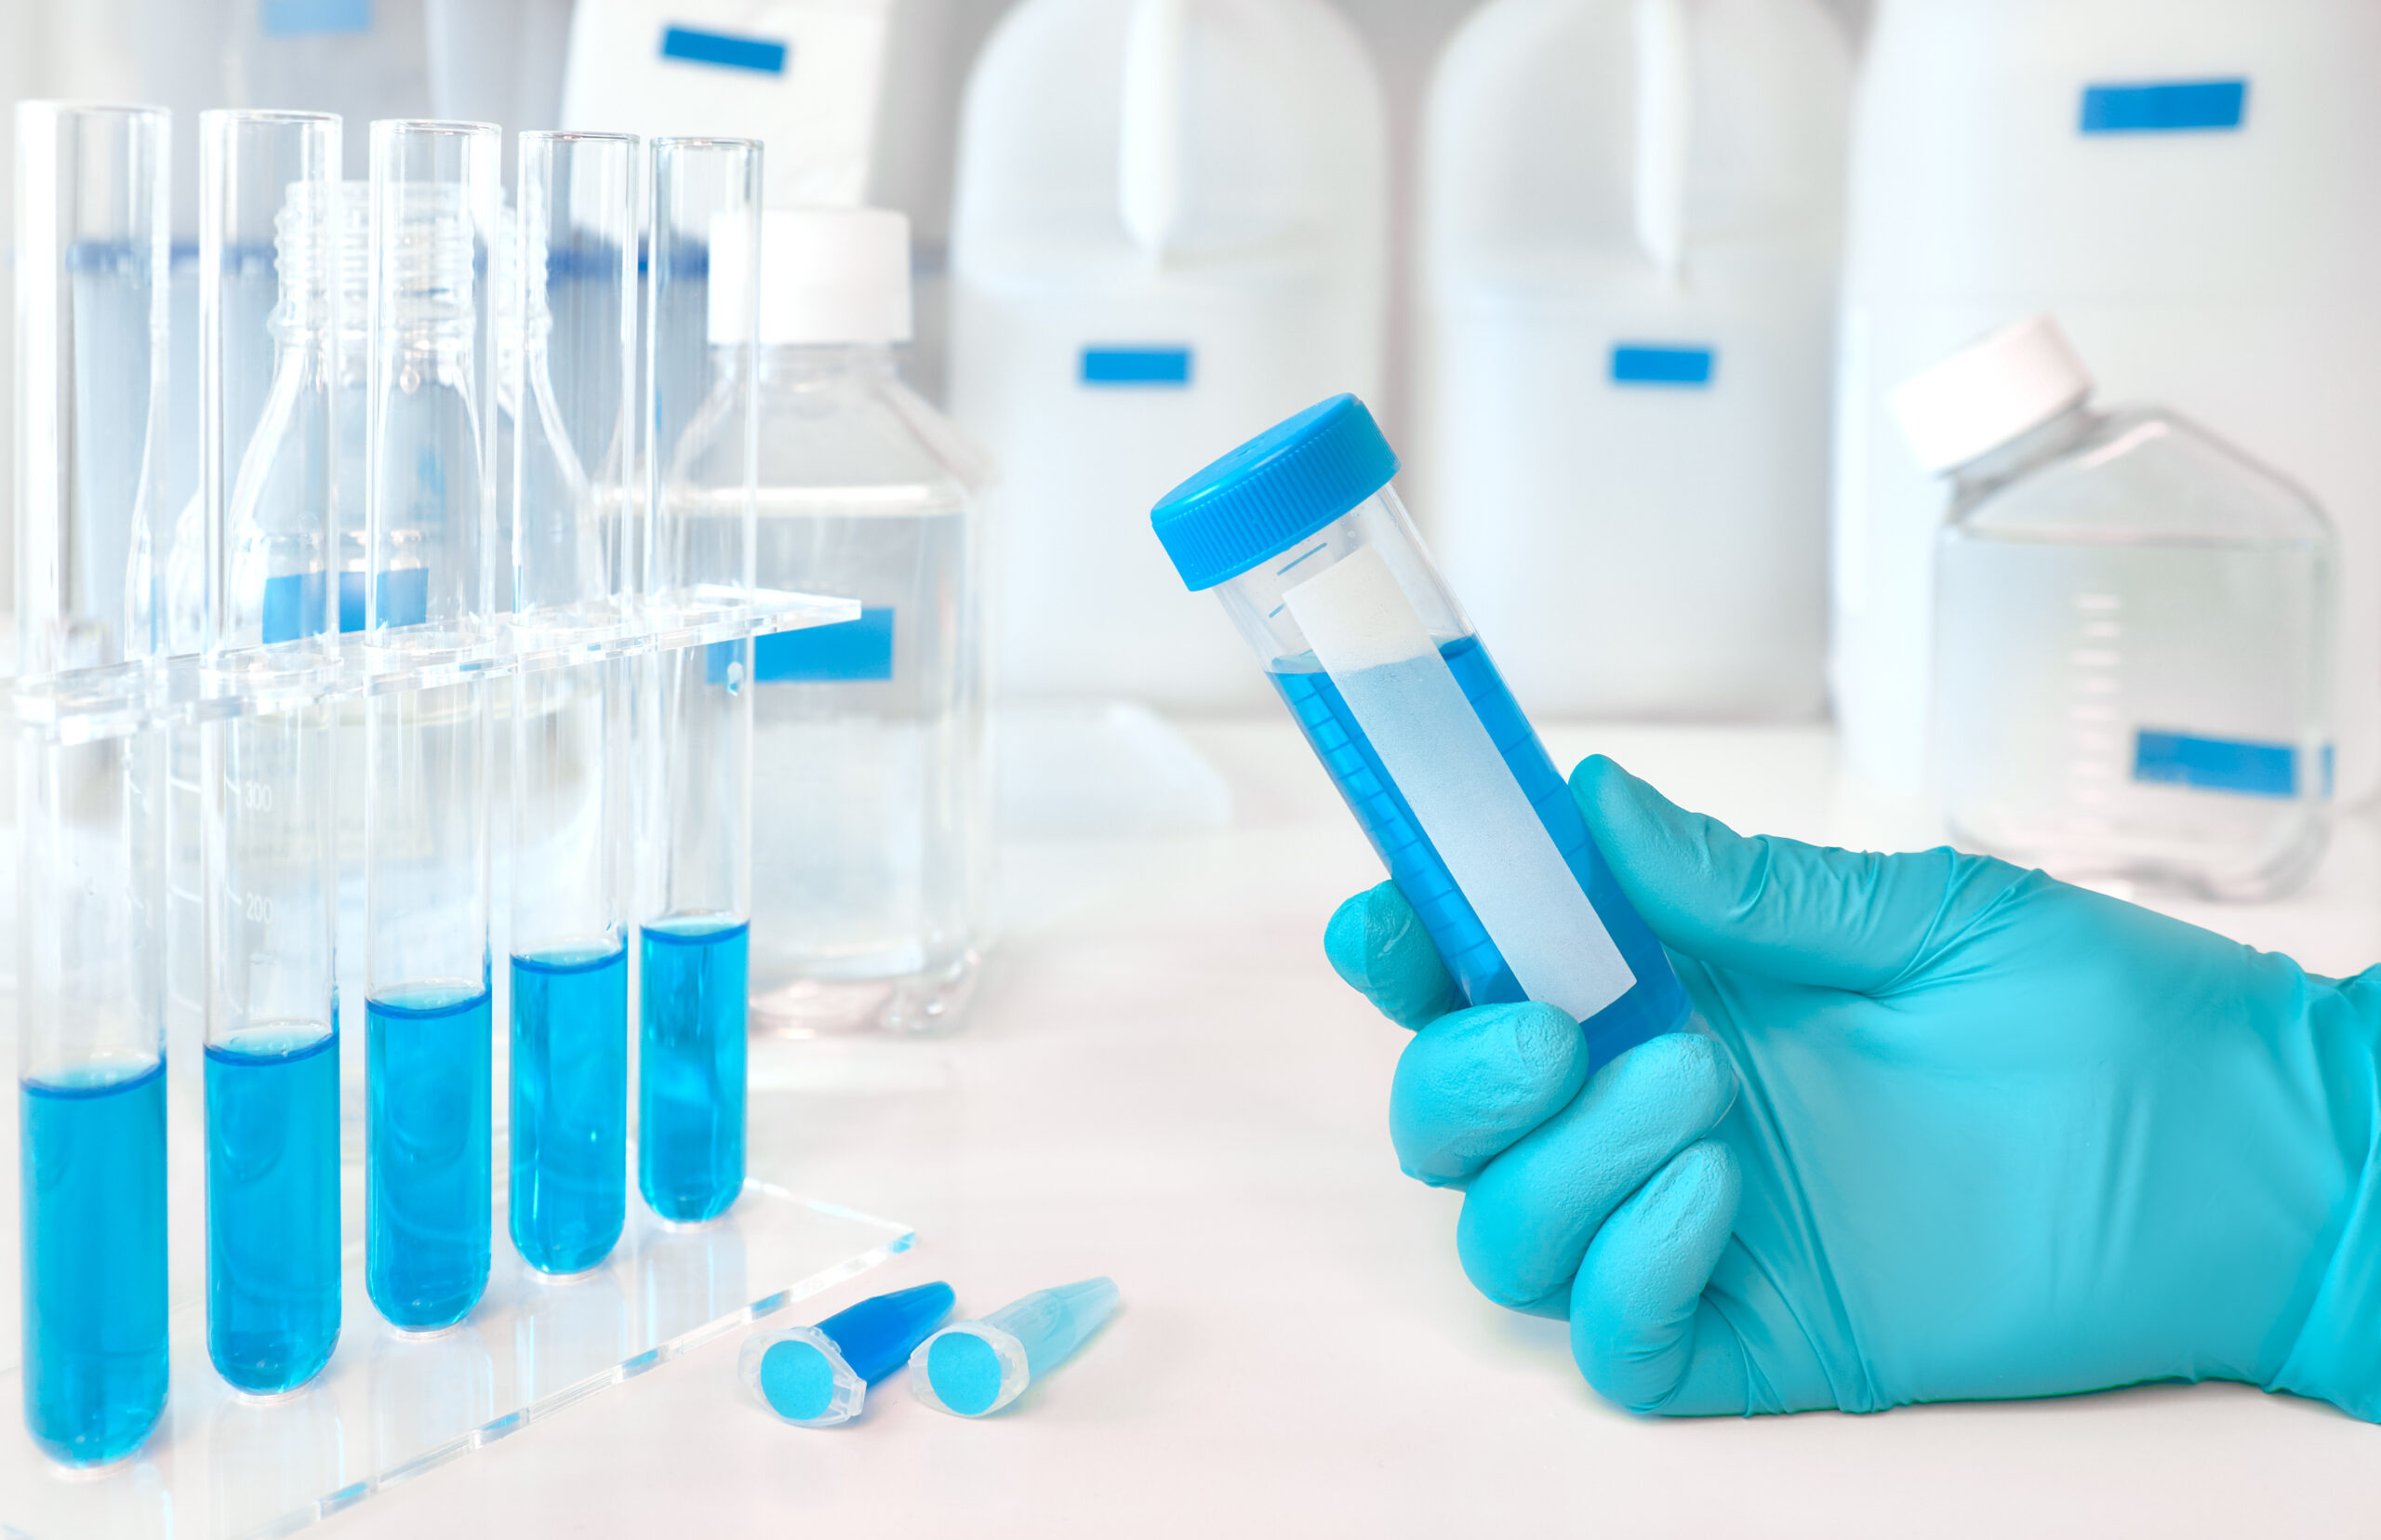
column 2338, row 1354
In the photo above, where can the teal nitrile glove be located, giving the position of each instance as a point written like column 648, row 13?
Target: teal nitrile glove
column 1956, row 1131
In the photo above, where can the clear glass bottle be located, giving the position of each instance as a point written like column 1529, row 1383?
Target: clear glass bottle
column 2132, row 675
column 869, row 807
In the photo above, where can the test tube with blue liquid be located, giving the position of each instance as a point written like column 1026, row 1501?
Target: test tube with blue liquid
column 694, row 706
column 269, row 485
column 1301, row 535
column 572, row 470
column 91, row 276
column 428, row 486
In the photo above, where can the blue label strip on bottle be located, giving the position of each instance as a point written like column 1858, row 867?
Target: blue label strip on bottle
column 727, row 50
column 293, row 606
column 846, row 652
column 316, row 17
column 1660, row 363
column 2164, row 107
column 1159, row 367
column 404, row 597
column 2246, row 768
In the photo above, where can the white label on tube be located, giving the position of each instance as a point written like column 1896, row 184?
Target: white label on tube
column 1375, row 647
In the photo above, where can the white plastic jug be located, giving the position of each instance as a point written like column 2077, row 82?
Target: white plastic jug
column 1630, row 215
column 2193, row 189
column 1169, row 232
column 805, row 76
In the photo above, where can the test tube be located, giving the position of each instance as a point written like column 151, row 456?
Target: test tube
column 353, row 203
column 694, row 705
column 1300, row 534
column 429, row 484
column 269, row 483
column 575, row 376
column 91, row 246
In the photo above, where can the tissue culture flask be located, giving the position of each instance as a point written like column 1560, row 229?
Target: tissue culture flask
column 2134, row 644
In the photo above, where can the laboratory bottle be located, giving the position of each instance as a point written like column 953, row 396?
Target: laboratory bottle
column 1630, row 212
column 1300, row 535
column 2133, row 631
column 2193, row 188
column 91, row 264
column 268, row 482
column 869, row 813
column 1169, row 228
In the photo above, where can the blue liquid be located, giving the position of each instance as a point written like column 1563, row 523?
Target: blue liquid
column 570, row 1105
column 273, row 1252
column 690, row 1071
column 426, row 1190
column 92, row 1164
column 1655, row 1004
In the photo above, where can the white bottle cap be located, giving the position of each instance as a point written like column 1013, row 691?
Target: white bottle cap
column 828, row 275
column 1989, row 392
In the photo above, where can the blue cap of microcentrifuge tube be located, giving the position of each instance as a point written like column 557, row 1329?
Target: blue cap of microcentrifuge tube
column 819, row 1375
column 1273, row 491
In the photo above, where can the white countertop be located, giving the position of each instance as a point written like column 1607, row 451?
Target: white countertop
column 1164, row 1081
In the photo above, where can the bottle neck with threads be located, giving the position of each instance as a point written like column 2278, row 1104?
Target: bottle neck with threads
column 426, row 270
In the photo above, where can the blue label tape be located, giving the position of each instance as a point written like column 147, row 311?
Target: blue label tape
column 727, row 50
column 404, row 595
column 2246, row 768
column 293, row 606
column 2164, row 107
column 1157, row 365
column 1658, row 363
column 848, row 651
column 316, row 17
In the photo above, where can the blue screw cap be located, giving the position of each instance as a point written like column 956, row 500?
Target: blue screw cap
column 1273, row 491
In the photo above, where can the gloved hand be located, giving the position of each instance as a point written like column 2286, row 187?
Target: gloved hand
column 1952, row 1130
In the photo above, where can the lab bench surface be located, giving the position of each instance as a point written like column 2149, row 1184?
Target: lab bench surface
column 1165, row 1083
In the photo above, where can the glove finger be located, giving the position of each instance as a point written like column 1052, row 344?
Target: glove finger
column 1474, row 1081
column 1808, row 914
column 1377, row 943
column 1530, row 1213
column 1640, row 1329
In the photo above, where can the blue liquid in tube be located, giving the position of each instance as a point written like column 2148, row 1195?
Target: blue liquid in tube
column 92, row 1164
column 426, row 1191
column 570, row 1093
column 690, row 1068
column 272, row 1242
column 1657, row 1004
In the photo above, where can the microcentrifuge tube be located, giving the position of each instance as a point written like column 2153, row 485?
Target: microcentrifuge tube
column 981, row 1366
column 816, row 1376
